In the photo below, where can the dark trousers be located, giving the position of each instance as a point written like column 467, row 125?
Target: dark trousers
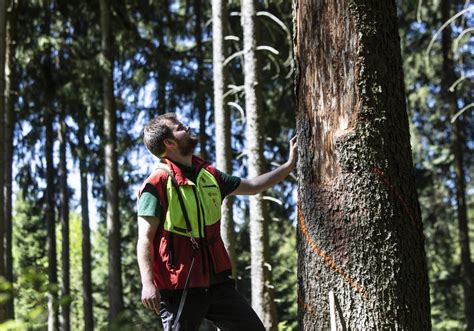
column 221, row 304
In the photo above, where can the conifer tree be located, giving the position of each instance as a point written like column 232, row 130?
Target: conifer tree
column 262, row 292
column 3, row 25
column 111, row 172
column 360, row 230
column 10, row 93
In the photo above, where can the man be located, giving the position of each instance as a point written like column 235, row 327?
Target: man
column 185, row 269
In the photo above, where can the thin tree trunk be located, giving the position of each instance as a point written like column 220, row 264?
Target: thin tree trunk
column 111, row 172
column 458, row 143
column 200, row 100
column 10, row 97
column 86, row 240
column 222, row 123
column 359, row 223
column 262, row 293
column 163, row 67
column 51, row 226
column 49, row 115
column 64, row 201
column 3, row 20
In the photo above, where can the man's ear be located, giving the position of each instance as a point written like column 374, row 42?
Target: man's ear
column 169, row 142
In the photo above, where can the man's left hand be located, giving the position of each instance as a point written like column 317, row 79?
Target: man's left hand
column 292, row 158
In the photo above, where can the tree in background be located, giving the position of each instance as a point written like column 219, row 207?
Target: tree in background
column 30, row 262
column 422, row 29
column 86, row 240
column 3, row 26
column 458, row 146
column 200, row 98
column 49, row 115
column 262, row 292
column 162, row 52
column 222, row 122
column 64, row 215
column 360, row 231
column 10, row 98
column 111, row 172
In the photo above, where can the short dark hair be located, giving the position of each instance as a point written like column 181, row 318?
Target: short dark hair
column 156, row 131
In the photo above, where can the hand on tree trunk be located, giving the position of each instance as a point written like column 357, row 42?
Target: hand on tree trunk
column 293, row 157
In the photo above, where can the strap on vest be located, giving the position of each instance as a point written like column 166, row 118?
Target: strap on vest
column 183, row 208
column 193, row 243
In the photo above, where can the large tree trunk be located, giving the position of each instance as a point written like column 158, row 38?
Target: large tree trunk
column 458, row 145
column 360, row 231
column 64, row 202
column 3, row 25
column 111, row 172
column 86, row 240
column 10, row 84
column 262, row 293
column 222, row 123
column 200, row 100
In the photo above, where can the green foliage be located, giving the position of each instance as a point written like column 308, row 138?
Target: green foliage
column 30, row 264
column 432, row 142
column 75, row 260
column 284, row 262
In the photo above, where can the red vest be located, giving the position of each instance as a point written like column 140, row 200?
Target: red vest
column 172, row 247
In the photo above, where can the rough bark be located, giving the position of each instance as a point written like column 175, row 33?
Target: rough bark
column 86, row 240
column 65, row 320
column 359, row 223
column 262, row 293
column 200, row 100
column 111, row 172
column 222, row 123
column 10, row 96
column 3, row 16
column 458, row 145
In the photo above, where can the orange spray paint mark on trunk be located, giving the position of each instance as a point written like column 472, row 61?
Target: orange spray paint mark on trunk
column 327, row 259
column 383, row 177
column 306, row 307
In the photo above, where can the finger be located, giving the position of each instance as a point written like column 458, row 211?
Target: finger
column 149, row 304
column 294, row 140
column 145, row 304
column 156, row 306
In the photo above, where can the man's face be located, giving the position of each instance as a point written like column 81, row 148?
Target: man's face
column 184, row 138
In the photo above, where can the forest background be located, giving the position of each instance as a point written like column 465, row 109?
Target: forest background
column 160, row 60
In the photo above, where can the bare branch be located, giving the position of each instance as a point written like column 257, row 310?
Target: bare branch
column 458, row 81
column 462, row 34
column 269, row 198
column 233, row 56
column 445, row 24
column 235, row 38
column 459, row 113
column 239, row 108
column 268, row 48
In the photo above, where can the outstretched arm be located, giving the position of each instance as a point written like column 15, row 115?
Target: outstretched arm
column 147, row 227
column 265, row 181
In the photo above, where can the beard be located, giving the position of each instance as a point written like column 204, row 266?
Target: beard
column 186, row 146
